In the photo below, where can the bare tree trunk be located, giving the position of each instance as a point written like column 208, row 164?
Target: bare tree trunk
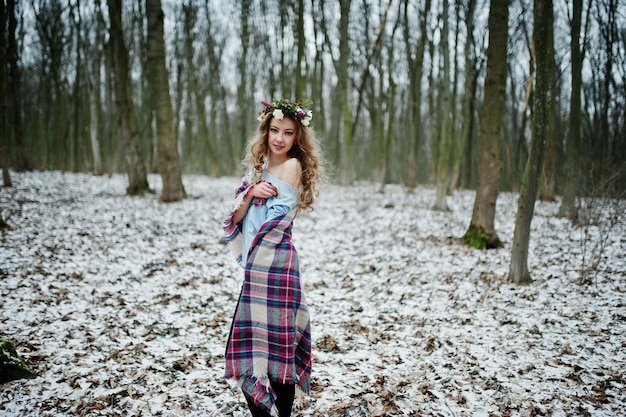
column 391, row 110
column 169, row 162
column 54, row 40
column 340, row 135
column 218, row 115
column 135, row 168
column 300, row 80
column 317, row 82
column 390, row 115
column 543, row 40
column 137, row 46
column 343, row 87
column 242, row 90
column 444, row 112
column 547, row 186
column 4, row 140
column 371, row 55
column 197, row 93
column 454, row 133
column 482, row 233
column 575, row 146
column 179, row 91
column 93, row 126
column 75, row 151
column 416, row 71
column 95, row 83
column 192, row 142
column 609, row 36
column 332, row 125
column 59, row 142
column 520, row 150
column 15, row 125
column 110, row 138
column 547, row 189
column 469, row 91
column 427, row 159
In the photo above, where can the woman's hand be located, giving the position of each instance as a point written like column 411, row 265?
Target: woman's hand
column 263, row 189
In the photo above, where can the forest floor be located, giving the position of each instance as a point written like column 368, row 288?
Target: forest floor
column 122, row 304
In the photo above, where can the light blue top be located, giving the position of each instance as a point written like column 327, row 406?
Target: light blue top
column 273, row 208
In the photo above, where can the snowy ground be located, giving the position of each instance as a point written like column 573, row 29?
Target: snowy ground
column 122, row 305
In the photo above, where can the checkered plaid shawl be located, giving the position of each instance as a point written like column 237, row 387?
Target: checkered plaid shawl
column 270, row 335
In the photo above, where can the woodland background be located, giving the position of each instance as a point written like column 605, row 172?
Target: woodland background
column 419, row 104
column 383, row 78
column 494, row 96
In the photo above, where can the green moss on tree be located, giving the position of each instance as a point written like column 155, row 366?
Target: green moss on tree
column 475, row 237
column 12, row 367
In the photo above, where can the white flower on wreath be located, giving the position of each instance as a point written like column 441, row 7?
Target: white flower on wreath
column 307, row 119
column 278, row 114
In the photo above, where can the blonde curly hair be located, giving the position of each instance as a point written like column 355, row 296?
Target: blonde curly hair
column 305, row 149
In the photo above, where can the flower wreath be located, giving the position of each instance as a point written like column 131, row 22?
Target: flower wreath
column 282, row 107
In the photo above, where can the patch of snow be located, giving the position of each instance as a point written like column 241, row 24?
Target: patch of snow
column 122, row 305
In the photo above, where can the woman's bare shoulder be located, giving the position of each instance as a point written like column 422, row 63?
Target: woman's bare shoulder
column 291, row 171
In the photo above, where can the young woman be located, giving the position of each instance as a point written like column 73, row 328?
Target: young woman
column 269, row 347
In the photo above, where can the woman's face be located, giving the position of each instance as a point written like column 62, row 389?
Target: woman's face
column 281, row 136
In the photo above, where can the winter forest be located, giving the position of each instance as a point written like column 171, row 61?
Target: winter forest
column 395, row 100
column 466, row 255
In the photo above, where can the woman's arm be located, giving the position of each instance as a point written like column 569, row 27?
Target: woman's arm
column 261, row 189
column 241, row 211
